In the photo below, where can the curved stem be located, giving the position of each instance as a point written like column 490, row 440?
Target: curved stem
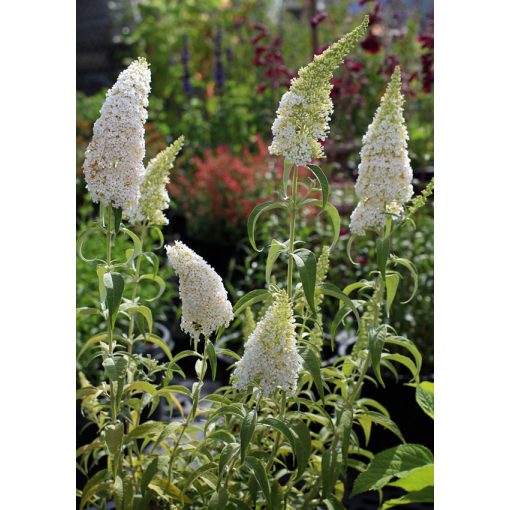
column 293, row 200
column 276, row 444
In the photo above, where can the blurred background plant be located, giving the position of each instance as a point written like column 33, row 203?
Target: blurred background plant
column 218, row 70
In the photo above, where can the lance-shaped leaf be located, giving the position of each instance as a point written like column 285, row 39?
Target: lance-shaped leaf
column 114, row 297
column 249, row 299
column 274, row 252
column 307, row 268
column 254, row 216
column 323, row 181
column 334, row 217
column 247, row 429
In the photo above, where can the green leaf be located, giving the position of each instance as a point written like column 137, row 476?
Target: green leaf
column 387, row 423
column 312, row 363
column 199, row 472
column 144, row 311
column 252, row 220
column 114, row 297
column 148, row 474
column 247, row 429
column 96, row 483
column 307, row 268
column 279, row 425
column 425, row 495
column 211, row 355
column 334, row 217
column 382, row 252
column 392, row 281
column 274, row 252
column 251, row 298
column 81, row 242
column 329, row 289
column 344, row 423
column 397, row 461
column 287, row 167
column 115, row 367
column 156, row 279
column 227, row 454
column 137, row 244
column 323, row 180
column 412, row 269
column 153, row 339
column 376, row 338
column 425, row 397
column 408, row 345
column 114, row 434
column 164, row 488
column 304, row 445
column 416, row 479
column 403, row 360
column 118, row 492
column 259, row 472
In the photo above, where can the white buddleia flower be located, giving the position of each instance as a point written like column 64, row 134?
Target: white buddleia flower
column 154, row 197
column 205, row 304
column 384, row 174
column 113, row 164
column 271, row 359
column 302, row 118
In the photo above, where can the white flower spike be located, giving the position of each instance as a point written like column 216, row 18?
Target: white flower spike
column 271, row 359
column 385, row 173
column 302, row 118
column 154, row 197
column 205, row 304
column 113, row 164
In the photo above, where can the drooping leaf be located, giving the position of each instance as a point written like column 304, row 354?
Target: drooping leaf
column 329, row 289
column 260, row 474
column 425, row 397
column 211, row 355
column 392, row 280
column 334, row 217
column 416, row 479
column 382, row 253
column 323, row 181
column 425, row 495
column 313, row 365
column 303, row 443
column 249, row 299
column 412, row 269
column 274, row 252
column 376, row 338
column 114, row 297
column 397, row 461
column 252, row 219
column 247, row 429
column 307, row 268
column 114, row 434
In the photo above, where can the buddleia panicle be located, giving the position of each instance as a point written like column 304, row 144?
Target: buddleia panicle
column 302, row 118
column 419, row 201
column 371, row 318
column 248, row 324
column 154, row 197
column 271, row 359
column 205, row 304
column 385, row 174
column 317, row 334
column 113, row 165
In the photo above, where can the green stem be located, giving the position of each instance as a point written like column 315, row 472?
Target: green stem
column 188, row 418
column 276, row 444
column 135, row 288
column 293, row 201
column 113, row 407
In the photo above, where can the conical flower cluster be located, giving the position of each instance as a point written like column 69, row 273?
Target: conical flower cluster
column 271, row 358
column 113, row 164
column 302, row 118
column 154, row 197
column 385, row 174
column 205, row 305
